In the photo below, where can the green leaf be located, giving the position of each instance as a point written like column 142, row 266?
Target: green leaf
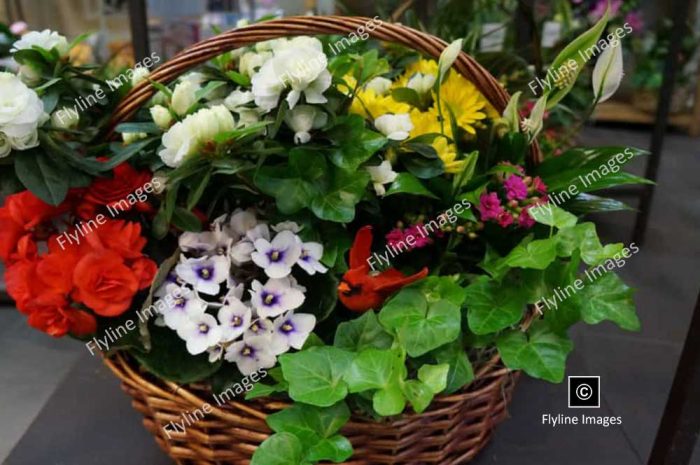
column 208, row 89
column 420, row 327
column 540, row 352
column 421, row 167
column 494, row 264
column 147, row 127
column 315, row 375
column 186, row 220
column 43, row 176
column 434, row 376
column 406, row 95
column 362, row 333
column 406, row 183
column 585, row 238
column 585, row 204
column 240, row 79
column 389, row 401
column 279, row 449
column 461, row 372
column 418, row 394
column 308, row 423
column 373, row 369
column 353, row 143
column 338, row 202
column 492, row 306
column 170, row 360
column 436, row 288
column 337, row 449
column 551, row 215
column 607, row 298
column 536, row 254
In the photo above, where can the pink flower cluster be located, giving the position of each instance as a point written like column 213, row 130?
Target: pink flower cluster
column 398, row 236
column 509, row 205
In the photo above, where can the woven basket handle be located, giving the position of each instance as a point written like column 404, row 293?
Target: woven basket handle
column 311, row 25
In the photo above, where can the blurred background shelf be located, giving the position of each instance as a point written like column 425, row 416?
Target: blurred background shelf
column 626, row 112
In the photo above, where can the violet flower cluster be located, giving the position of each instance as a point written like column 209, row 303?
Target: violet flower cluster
column 235, row 293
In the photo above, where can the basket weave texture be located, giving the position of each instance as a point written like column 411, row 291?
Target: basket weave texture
column 450, row 432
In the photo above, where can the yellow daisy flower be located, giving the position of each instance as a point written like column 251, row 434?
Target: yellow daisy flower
column 370, row 105
column 427, row 122
column 466, row 102
column 422, row 66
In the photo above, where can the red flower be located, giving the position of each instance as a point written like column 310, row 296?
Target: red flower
column 120, row 236
column 22, row 280
column 115, row 191
column 145, row 270
column 28, row 210
column 104, row 283
column 51, row 314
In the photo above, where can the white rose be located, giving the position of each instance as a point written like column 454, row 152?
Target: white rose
column 185, row 137
column 25, row 141
column 395, row 127
column 237, row 99
column 421, row 83
column 380, row 85
column 21, row 110
column 5, row 145
column 139, row 74
column 302, row 119
column 45, row 39
column 29, row 75
column 161, row 116
column 64, row 118
column 183, row 97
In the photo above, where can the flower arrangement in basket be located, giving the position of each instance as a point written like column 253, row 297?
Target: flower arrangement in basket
column 311, row 248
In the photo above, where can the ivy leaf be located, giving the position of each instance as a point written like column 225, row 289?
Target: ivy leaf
column 418, row 394
column 373, row 369
column 540, row 352
column 308, row 423
column 434, row 376
column 337, row 449
column 406, row 183
column 279, row 449
column 461, row 372
column 492, row 306
column 338, row 202
column 436, row 288
column 389, row 401
column 354, row 144
column 361, row 333
column 551, row 215
column 537, row 254
column 608, row 298
column 419, row 326
column 584, row 237
column 315, row 375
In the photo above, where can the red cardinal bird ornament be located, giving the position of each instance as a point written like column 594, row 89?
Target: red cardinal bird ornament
column 361, row 288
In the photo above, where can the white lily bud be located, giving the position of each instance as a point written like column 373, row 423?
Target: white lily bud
column 183, row 97
column 161, row 116
column 533, row 125
column 131, row 137
column 448, row 57
column 64, row 118
column 395, row 127
column 510, row 115
column 607, row 74
column 139, row 74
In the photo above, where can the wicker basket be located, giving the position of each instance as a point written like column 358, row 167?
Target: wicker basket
column 453, row 429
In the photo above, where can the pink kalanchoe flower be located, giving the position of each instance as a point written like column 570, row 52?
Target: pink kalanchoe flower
column 505, row 219
column 539, row 185
column 525, row 220
column 515, row 187
column 489, row 206
column 397, row 237
column 420, row 239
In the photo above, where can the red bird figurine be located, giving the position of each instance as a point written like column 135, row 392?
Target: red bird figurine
column 361, row 288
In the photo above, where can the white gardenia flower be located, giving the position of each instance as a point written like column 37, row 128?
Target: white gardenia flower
column 250, row 355
column 64, row 118
column 395, row 127
column 299, row 64
column 140, row 74
column 237, row 99
column 310, row 258
column 275, row 297
column 184, row 137
column 21, row 112
column 183, row 97
column 607, row 74
column 277, row 257
column 45, row 39
column 234, row 318
column 200, row 333
column 291, row 330
column 161, row 116
column 421, row 83
column 5, row 146
column 205, row 274
column 381, row 174
column 380, row 85
column 250, row 62
column 304, row 118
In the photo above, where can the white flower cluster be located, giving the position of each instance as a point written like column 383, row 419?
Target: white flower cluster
column 222, row 270
column 21, row 113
